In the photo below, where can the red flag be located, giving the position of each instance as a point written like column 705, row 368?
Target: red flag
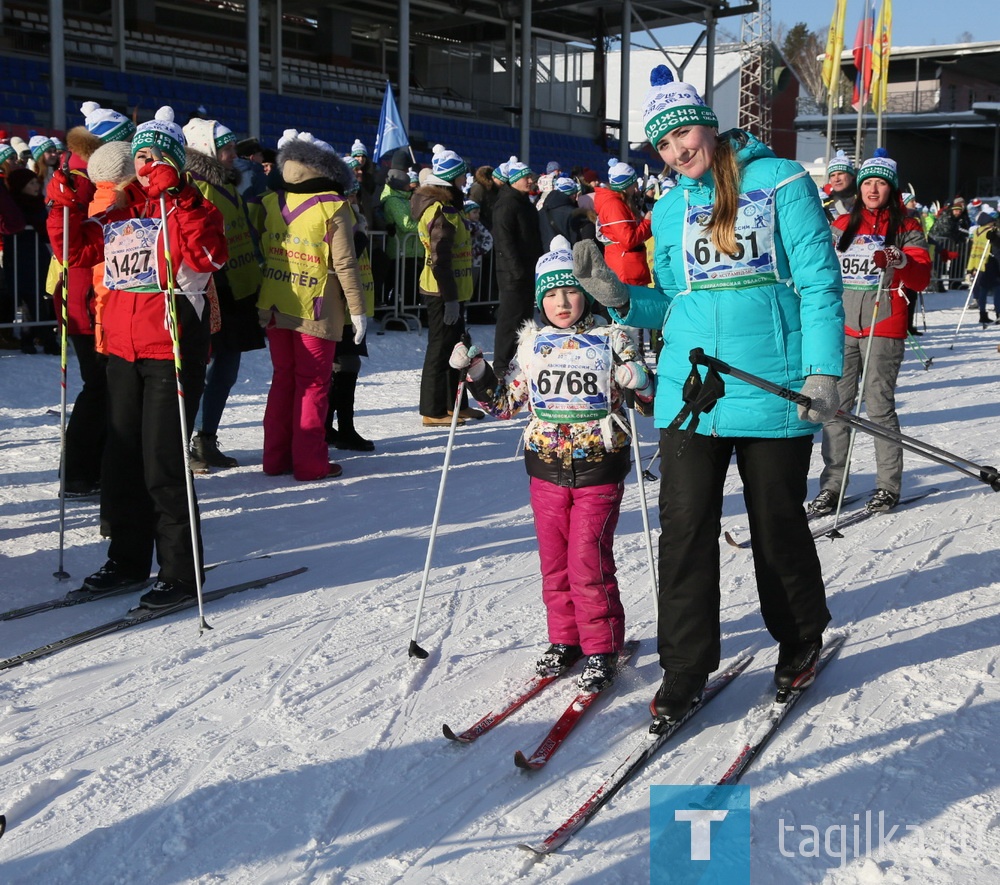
column 863, row 61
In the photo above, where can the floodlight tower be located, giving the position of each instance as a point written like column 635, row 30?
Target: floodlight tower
column 756, row 72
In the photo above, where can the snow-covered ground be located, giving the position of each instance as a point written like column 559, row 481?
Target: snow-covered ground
column 297, row 741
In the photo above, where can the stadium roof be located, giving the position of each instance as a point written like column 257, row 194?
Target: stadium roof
column 465, row 21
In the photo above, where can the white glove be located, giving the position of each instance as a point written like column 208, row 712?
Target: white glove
column 627, row 377
column 825, row 401
column 590, row 268
column 451, row 313
column 470, row 358
column 360, row 324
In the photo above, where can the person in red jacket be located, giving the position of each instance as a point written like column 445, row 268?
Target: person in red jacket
column 878, row 243
column 624, row 235
column 143, row 479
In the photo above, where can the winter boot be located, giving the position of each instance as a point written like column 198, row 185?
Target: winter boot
column 984, row 318
column 598, row 673
column 881, row 501
column 205, row 453
column 558, row 658
column 822, row 504
column 342, row 389
column 677, row 692
column 111, row 578
column 164, row 594
column 797, row 664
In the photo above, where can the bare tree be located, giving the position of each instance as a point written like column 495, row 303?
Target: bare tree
column 803, row 50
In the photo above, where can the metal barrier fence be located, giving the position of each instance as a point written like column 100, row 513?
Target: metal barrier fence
column 401, row 307
column 25, row 304
column 949, row 259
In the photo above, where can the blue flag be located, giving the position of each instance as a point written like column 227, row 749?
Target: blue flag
column 391, row 135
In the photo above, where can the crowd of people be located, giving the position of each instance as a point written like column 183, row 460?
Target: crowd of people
column 175, row 250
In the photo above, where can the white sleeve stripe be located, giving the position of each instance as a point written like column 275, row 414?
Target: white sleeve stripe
column 791, row 179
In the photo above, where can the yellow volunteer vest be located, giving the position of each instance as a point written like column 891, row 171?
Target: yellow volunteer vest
column 296, row 252
column 461, row 259
column 243, row 268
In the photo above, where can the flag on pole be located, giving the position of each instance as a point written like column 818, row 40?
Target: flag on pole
column 834, row 46
column 863, row 61
column 880, row 57
column 391, row 135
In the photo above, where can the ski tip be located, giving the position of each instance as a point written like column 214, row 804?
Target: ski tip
column 3, row 824
column 448, row 733
column 537, row 850
column 732, row 542
column 524, row 763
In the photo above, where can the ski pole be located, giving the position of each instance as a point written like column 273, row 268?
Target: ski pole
column 918, row 351
column 968, row 300
column 884, row 282
column 984, row 473
column 645, row 514
column 648, row 472
column 415, row 651
column 61, row 572
column 171, row 311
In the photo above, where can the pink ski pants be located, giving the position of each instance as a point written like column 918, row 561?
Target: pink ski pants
column 576, row 532
column 295, row 416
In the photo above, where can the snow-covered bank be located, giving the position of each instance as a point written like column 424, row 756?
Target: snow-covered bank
column 297, row 742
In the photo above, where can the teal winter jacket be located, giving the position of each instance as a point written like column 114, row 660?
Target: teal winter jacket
column 774, row 310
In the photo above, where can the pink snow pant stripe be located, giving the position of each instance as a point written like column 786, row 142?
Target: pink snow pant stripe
column 295, row 416
column 576, row 532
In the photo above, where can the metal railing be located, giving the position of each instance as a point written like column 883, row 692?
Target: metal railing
column 22, row 291
column 402, row 307
column 949, row 259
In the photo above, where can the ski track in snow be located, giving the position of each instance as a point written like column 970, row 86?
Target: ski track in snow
column 297, row 742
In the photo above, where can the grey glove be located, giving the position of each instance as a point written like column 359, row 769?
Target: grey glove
column 597, row 278
column 451, row 311
column 825, row 401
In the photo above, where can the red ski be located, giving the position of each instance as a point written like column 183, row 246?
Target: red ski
column 567, row 722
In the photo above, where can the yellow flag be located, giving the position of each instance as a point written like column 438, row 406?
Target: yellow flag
column 834, row 45
column 881, row 48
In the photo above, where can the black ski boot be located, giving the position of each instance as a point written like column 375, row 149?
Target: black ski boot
column 796, row 667
column 558, row 658
column 598, row 673
column 677, row 692
column 205, row 453
column 342, row 388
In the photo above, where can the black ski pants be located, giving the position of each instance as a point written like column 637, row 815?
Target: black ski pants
column 87, row 425
column 516, row 306
column 143, row 480
column 789, row 580
column 438, row 381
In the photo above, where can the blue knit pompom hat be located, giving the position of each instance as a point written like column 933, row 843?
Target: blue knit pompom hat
column 670, row 105
column 620, row 175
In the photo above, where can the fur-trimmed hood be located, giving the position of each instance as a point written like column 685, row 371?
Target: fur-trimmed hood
column 426, row 194
column 300, row 162
column 484, row 176
column 82, row 142
column 210, row 169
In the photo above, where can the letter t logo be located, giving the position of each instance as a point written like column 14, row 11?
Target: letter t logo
column 701, row 829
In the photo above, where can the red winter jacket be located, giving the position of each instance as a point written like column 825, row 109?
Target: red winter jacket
column 859, row 305
column 626, row 251
column 134, row 322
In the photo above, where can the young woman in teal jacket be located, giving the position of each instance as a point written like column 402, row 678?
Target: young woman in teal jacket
column 744, row 268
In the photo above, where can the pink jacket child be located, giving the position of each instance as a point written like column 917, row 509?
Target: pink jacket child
column 570, row 374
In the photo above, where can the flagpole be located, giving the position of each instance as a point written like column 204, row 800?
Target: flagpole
column 859, row 137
